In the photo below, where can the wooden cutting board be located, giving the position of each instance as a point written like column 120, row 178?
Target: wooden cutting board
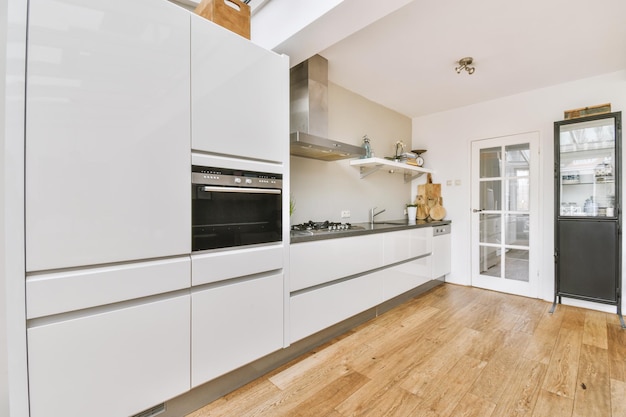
column 438, row 212
column 430, row 191
column 233, row 15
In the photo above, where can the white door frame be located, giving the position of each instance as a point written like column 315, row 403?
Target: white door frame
column 523, row 288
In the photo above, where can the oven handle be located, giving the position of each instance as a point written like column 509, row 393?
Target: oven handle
column 243, row 190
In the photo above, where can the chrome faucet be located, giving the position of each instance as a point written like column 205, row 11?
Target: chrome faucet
column 374, row 214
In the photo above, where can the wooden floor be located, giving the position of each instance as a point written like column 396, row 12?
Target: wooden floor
column 453, row 351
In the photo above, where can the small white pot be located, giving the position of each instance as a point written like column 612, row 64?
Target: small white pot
column 412, row 212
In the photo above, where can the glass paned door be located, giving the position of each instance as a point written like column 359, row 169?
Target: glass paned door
column 586, row 169
column 504, row 211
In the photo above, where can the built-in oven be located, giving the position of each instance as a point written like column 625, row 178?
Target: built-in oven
column 233, row 208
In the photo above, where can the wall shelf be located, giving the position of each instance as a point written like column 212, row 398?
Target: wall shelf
column 368, row 166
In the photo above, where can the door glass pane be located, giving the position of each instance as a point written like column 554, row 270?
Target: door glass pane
column 490, row 195
column 490, row 228
column 490, row 261
column 517, row 159
column 518, row 194
column 587, row 175
column 490, row 162
column 517, row 227
column 516, row 264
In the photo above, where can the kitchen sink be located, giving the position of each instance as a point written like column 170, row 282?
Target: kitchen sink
column 396, row 223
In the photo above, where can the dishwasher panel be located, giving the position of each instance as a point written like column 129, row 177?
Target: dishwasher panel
column 442, row 248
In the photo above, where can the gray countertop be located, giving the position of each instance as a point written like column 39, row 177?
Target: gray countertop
column 362, row 229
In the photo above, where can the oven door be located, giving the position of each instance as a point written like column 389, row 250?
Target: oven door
column 224, row 217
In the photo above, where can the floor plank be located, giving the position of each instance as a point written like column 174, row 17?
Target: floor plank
column 520, row 395
column 595, row 333
column 530, row 318
column 593, row 388
column 379, row 398
column 451, row 352
column 325, row 401
column 473, row 406
column 563, row 366
column 618, row 398
column 443, row 394
column 500, row 371
column 574, row 318
column 617, row 351
column 553, row 405
column 442, row 361
column 544, row 339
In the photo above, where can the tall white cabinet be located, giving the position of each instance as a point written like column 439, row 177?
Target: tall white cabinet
column 107, row 132
column 239, row 120
column 235, row 95
column 108, row 206
column 118, row 95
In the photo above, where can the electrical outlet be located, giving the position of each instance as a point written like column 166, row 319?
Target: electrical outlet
column 345, row 214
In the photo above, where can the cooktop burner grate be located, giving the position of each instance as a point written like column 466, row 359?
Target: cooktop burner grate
column 325, row 225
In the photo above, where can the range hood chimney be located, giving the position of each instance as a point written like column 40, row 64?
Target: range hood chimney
column 309, row 114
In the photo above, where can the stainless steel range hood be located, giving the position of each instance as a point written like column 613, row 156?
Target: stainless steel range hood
column 309, row 114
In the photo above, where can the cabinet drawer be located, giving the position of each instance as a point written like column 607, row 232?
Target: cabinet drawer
column 234, row 324
column 407, row 244
column 222, row 265
column 404, row 277
column 61, row 292
column 115, row 363
column 312, row 311
column 314, row 263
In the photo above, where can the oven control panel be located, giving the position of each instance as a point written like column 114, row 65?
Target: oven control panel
column 234, row 178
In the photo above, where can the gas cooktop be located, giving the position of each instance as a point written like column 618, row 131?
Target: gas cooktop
column 321, row 227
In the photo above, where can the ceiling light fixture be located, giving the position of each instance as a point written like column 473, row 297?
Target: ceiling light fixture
column 464, row 64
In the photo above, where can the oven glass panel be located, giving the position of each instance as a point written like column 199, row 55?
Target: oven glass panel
column 223, row 219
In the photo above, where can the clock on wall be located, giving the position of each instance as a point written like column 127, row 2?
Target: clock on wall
column 419, row 160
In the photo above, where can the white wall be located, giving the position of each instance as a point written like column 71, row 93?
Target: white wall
column 322, row 189
column 448, row 136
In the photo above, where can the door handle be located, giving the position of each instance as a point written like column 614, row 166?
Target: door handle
column 219, row 189
column 477, row 210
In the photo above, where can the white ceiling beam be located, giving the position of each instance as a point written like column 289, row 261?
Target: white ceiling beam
column 303, row 28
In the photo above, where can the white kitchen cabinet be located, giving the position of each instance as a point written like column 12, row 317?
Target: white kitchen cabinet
column 240, row 95
column 221, row 265
column 401, row 278
column 406, row 244
column 334, row 279
column 312, row 311
column 108, row 132
column 442, row 251
column 77, row 289
column 112, row 363
column 235, row 323
column 322, row 261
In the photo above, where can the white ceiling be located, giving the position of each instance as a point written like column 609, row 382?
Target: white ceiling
column 405, row 60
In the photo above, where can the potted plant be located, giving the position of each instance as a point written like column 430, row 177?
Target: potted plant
column 411, row 210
